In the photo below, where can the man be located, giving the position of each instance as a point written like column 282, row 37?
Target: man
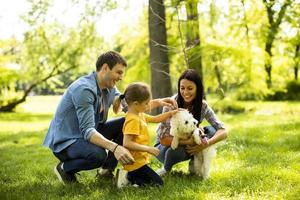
column 79, row 134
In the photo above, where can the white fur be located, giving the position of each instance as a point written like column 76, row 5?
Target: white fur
column 183, row 125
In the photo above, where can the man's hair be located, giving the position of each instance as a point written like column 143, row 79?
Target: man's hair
column 111, row 58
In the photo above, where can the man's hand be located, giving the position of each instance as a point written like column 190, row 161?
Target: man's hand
column 169, row 102
column 164, row 102
column 194, row 149
column 123, row 155
column 154, row 151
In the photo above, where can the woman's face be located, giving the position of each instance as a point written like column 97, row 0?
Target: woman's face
column 188, row 90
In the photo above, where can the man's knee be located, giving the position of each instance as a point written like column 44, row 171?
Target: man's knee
column 97, row 158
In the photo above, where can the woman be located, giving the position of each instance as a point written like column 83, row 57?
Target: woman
column 190, row 96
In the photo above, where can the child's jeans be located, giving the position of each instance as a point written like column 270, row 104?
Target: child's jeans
column 144, row 176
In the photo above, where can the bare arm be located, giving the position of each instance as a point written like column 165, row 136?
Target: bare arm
column 163, row 116
column 131, row 145
column 220, row 135
column 121, row 153
column 154, row 103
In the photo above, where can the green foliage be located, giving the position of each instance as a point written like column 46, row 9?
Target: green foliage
column 290, row 92
column 259, row 160
column 232, row 41
column 252, row 91
column 228, row 106
column 133, row 45
column 8, row 84
column 9, row 71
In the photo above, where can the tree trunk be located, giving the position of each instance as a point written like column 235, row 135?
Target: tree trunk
column 296, row 61
column 193, row 44
column 159, row 61
column 274, row 27
column 249, row 57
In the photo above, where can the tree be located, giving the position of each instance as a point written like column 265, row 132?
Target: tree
column 193, row 44
column 159, row 61
column 297, row 56
column 49, row 50
column 274, row 24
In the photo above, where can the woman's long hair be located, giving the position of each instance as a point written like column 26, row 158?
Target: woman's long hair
column 192, row 75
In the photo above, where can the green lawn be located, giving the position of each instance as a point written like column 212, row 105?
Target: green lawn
column 259, row 160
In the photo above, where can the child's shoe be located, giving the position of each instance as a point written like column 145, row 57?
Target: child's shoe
column 122, row 178
column 161, row 171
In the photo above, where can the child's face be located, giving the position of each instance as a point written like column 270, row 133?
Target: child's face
column 143, row 106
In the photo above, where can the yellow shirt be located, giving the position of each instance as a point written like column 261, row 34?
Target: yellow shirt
column 137, row 125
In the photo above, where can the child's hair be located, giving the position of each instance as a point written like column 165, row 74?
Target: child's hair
column 137, row 91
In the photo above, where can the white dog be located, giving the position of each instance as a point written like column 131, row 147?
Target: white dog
column 184, row 125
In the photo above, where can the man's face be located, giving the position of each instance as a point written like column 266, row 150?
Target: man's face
column 114, row 75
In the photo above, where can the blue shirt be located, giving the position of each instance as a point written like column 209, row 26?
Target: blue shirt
column 82, row 107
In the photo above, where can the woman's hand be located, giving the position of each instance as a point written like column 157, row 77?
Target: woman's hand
column 194, row 149
column 189, row 141
column 154, row 151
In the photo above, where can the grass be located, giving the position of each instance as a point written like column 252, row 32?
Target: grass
column 259, row 160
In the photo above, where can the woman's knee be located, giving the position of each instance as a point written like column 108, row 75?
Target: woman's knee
column 162, row 152
column 176, row 154
column 210, row 131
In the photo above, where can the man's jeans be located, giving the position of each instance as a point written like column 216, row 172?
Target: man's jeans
column 83, row 155
column 170, row 157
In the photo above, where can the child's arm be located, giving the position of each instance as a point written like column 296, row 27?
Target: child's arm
column 131, row 145
column 163, row 116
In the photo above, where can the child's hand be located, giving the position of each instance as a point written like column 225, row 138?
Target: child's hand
column 154, row 151
column 173, row 112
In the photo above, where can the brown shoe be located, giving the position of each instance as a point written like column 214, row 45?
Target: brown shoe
column 64, row 177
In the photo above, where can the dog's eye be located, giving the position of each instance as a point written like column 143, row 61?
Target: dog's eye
column 194, row 123
column 186, row 122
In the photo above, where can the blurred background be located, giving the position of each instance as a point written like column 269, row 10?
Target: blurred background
column 244, row 49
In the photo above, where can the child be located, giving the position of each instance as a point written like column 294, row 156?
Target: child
column 136, row 137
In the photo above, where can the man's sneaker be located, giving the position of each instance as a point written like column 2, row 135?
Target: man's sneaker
column 104, row 173
column 122, row 178
column 161, row 171
column 64, row 177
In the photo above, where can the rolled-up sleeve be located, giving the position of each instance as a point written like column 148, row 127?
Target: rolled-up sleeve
column 83, row 101
column 211, row 117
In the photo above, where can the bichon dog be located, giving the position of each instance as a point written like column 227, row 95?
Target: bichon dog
column 183, row 126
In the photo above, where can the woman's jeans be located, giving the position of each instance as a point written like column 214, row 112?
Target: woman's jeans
column 170, row 157
column 83, row 155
